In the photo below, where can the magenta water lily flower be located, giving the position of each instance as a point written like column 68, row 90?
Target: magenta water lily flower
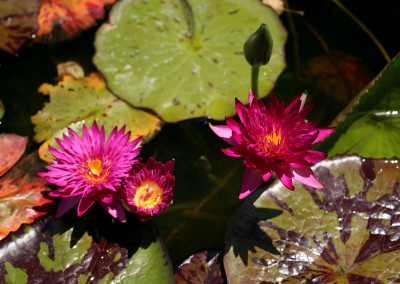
column 274, row 140
column 90, row 169
column 148, row 189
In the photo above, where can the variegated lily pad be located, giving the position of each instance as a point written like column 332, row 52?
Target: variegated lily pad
column 74, row 102
column 348, row 232
column 64, row 252
column 184, row 59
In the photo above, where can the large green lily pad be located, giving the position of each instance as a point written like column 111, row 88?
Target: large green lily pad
column 347, row 232
column 150, row 58
column 74, row 102
column 64, row 252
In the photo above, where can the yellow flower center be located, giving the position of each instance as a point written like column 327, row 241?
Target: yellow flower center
column 274, row 138
column 265, row 141
column 95, row 171
column 148, row 195
column 95, row 166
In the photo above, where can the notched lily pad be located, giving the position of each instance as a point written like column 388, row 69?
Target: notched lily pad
column 74, row 102
column 155, row 55
column 347, row 232
column 201, row 268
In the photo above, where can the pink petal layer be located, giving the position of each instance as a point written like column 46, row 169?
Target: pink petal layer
column 306, row 176
column 224, row 132
column 115, row 209
column 66, row 204
column 251, row 180
column 323, row 133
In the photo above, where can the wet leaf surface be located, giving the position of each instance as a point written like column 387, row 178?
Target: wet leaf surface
column 12, row 147
column 64, row 251
column 149, row 58
column 347, row 232
column 17, row 23
column 74, row 102
column 21, row 198
column 65, row 19
column 201, row 268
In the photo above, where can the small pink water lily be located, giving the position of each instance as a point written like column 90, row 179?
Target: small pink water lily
column 148, row 189
column 90, row 169
column 274, row 140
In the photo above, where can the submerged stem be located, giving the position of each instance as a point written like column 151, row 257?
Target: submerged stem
column 254, row 80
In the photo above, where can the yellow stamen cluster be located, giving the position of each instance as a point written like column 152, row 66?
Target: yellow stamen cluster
column 148, row 195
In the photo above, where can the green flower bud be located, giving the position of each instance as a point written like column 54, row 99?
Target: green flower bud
column 258, row 47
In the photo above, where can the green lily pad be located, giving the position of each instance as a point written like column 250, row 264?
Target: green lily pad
column 150, row 58
column 347, row 232
column 74, row 102
column 369, row 126
column 61, row 253
column 373, row 136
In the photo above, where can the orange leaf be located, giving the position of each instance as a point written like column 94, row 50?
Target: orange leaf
column 17, row 23
column 64, row 19
column 12, row 147
column 21, row 195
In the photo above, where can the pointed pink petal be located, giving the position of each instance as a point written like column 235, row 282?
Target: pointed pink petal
column 266, row 176
column 224, row 132
column 251, row 180
column 241, row 109
column 290, row 107
column 323, row 133
column 115, row 209
column 251, row 97
column 84, row 205
column 234, row 125
column 315, row 156
column 284, row 178
column 235, row 152
column 66, row 204
column 306, row 176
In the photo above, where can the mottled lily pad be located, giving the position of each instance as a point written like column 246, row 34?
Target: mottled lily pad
column 74, row 102
column 155, row 55
column 12, row 147
column 59, row 253
column 21, row 198
column 18, row 22
column 201, row 268
column 347, row 232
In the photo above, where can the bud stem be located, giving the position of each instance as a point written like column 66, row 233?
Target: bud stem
column 254, row 80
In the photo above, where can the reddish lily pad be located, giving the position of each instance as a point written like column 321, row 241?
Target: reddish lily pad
column 348, row 232
column 17, row 23
column 21, row 197
column 184, row 59
column 12, row 147
column 202, row 268
column 63, row 251
column 74, row 102
column 65, row 19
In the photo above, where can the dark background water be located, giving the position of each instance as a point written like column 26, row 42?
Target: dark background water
column 208, row 182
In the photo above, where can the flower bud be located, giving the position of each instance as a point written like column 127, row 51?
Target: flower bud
column 258, row 47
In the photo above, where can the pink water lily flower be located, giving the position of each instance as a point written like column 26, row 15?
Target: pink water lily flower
column 274, row 140
column 148, row 190
column 90, row 169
